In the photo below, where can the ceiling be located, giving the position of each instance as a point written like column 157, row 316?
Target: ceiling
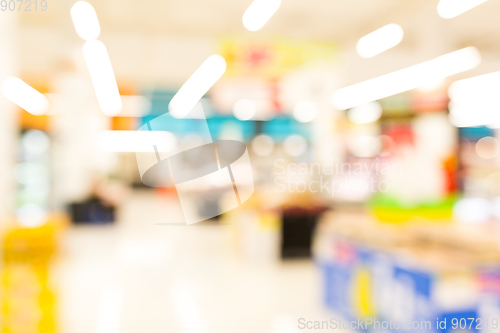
column 129, row 25
column 336, row 20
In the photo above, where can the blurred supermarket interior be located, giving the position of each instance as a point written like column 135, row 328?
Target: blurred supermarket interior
column 195, row 166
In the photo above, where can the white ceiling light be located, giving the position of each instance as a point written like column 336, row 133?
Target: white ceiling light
column 451, row 8
column 474, row 114
column 85, row 20
column 475, row 88
column 380, row 40
column 136, row 141
column 259, row 12
column 103, row 77
column 475, row 101
column 406, row 79
column 25, row 96
column 197, row 85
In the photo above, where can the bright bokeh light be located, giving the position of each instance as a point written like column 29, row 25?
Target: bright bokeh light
column 103, row 77
column 29, row 173
column 259, row 12
column 35, row 142
column 452, row 8
column 244, row 109
column 496, row 207
column 295, row 145
column 365, row 113
column 25, row 96
column 380, row 40
column 488, row 147
column 85, row 20
column 31, row 215
column 263, row 145
column 200, row 110
column 136, row 141
column 472, row 210
column 197, row 85
column 305, row 111
column 406, row 79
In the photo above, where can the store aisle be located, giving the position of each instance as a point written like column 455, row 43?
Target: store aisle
column 140, row 277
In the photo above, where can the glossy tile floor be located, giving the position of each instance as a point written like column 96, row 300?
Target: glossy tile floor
column 137, row 276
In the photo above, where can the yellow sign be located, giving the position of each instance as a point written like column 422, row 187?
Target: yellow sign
column 273, row 57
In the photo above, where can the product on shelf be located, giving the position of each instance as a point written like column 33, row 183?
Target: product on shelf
column 414, row 272
column 28, row 302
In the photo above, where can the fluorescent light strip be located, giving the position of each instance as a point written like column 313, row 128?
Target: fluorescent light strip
column 85, row 20
column 380, row 40
column 475, row 101
column 479, row 87
column 25, row 96
column 103, row 78
column 452, row 8
column 136, row 141
column 474, row 115
column 259, row 12
column 197, row 85
column 406, row 79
